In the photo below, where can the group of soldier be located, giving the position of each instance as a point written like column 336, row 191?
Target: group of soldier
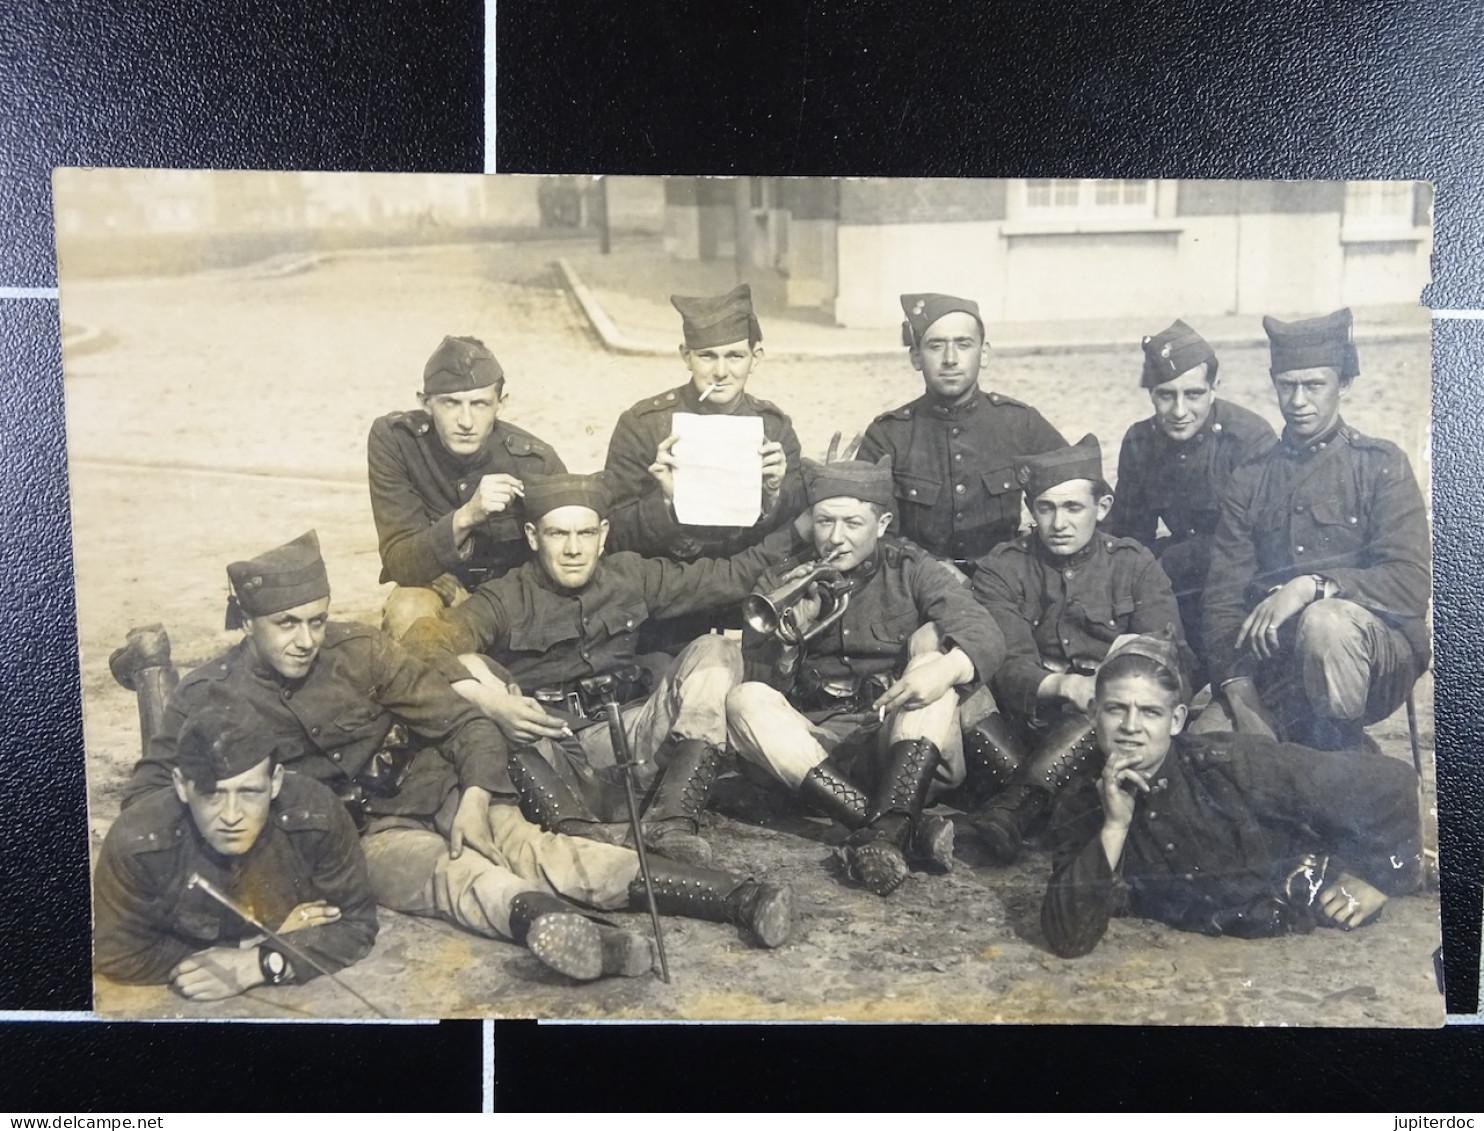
column 554, row 640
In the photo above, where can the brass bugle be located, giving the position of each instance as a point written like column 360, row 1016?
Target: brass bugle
column 772, row 613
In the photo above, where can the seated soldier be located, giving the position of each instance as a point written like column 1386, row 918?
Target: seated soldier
column 572, row 614
column 1061, row 595
column 954, row 448
column 424, row 773
column 722, row 349
column 280, row 845
column 850, row 699
column 1174, row 466
column 1315, row 605
column 446, row 483
column 1224, row 834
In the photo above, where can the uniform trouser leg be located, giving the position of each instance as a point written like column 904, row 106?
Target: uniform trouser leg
column 689, row 701
column 411, row 871
column 405, row 606
column 583, row 870
column 1354, row 667
column 764, row 728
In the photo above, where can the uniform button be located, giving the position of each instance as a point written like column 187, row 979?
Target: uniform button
column 1067, row 643
column 1169, row 846
column 463, row 486
column 1298, row 508
column 1298, row 549
column 958, row 457
column 954, row 431
column 1182, row 457
column 1192, row 530
column 1071, row 573
column 335, row 756
column 1153, row 814
column 845, row 632
column 960, row 488
column 1216, row 427
column 1353, row 520
column 958, row 517
column 1188, row 876
column 314, row 731
column 1113, row 622
column 1005, row 486
column 912, row 490
column 287, row 694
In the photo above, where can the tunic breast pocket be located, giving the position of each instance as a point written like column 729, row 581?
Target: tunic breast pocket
column 503, row 528
column 918, row 489
column 1004, row 492
column 892, row 633
column 1106, row 620
column 354, row 735
column 1337, row 529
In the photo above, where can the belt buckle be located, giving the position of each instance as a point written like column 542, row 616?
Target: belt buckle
column 574, row 704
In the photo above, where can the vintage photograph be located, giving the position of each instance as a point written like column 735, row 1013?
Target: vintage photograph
column 753, row 598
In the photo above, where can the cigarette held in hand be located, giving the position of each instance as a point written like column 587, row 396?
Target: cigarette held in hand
column 706, row 392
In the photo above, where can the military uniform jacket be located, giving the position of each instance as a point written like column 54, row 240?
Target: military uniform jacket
column 417, row 484
column 334, row 720
column 955, row 469
column 1226, row 819
column 642, row 519
column 899, row 590
column 147, row 919
column 1062, row 614
column 1345, row 507
column 1181, row 483
column 544, row 635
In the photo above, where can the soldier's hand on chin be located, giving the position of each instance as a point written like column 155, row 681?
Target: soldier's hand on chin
column 471, row 824
column 221, row 972
column 775, row 466
column 1118, row 786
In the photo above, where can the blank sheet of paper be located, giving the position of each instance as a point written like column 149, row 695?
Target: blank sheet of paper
column 718, row 470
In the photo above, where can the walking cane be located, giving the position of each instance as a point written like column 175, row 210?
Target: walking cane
column 603, row 687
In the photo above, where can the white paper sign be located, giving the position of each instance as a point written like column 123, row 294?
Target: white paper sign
column 718, row 473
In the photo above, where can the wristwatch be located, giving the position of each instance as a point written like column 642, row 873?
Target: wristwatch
column 275, row 966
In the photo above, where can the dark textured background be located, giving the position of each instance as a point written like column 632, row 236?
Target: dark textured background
column 1372, row 88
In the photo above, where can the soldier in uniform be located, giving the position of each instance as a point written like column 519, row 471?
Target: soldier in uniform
column 1173, row 467
column 280, row 845
column 421, row 769
column 525, row 648
column 446, row 483
column 1224, row 834
column 852, row 699
column 1061, row 595
column 1320, row 568
column 521, row 648
column 954, row 448
column 722, row 349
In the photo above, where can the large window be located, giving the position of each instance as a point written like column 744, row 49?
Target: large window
column 1379, row 208
column 1069, row 199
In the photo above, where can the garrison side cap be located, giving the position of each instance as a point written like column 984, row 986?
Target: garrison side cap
column 718, row 320
column 1175, row 350
column 1313, row 342
column 460, row 364
column 293, row 574
column 850, row 478
column 1045, row 470
column 922, row 310
column 1161, row 649
column 221, row 739
column 546, row 493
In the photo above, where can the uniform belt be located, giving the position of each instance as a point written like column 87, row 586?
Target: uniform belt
column 569, row 697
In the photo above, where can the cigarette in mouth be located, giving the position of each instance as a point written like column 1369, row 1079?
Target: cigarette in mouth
column 706, row 392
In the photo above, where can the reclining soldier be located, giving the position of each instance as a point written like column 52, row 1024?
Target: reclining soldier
column 1316, row 603
column 422, row 771
column 1061, row 594
column 446, row 482
column 1221, row 833
column 279, row 843
column 853, row 691
column 1174, row 466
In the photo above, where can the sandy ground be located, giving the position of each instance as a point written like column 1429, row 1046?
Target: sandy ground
column 213, row 416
